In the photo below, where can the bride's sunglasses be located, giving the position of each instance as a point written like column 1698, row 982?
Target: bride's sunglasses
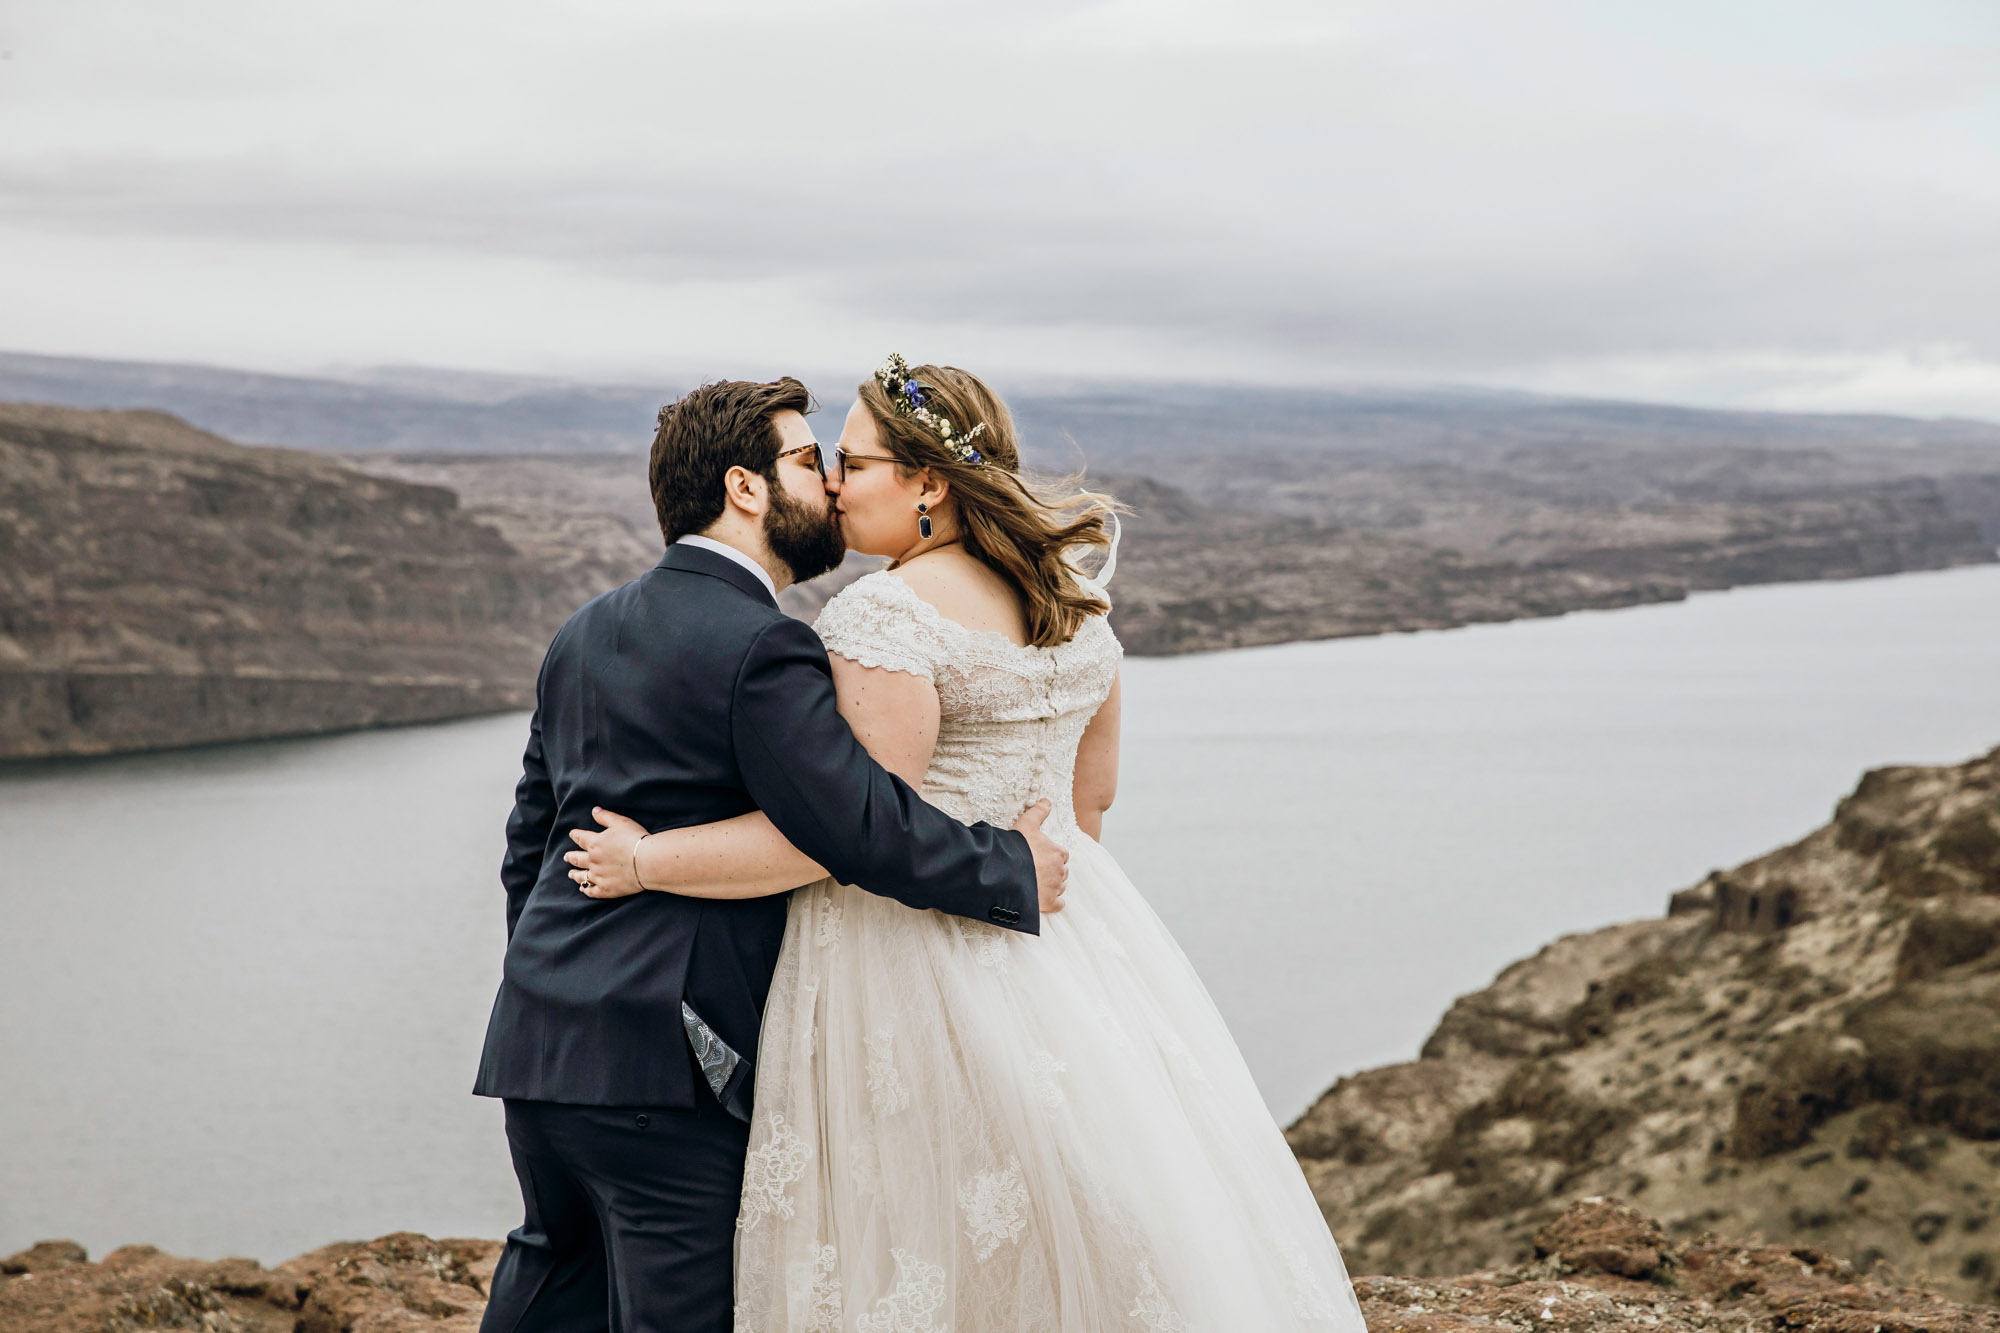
column 831, row 458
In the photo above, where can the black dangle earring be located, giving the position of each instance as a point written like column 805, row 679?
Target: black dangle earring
column 923, row 521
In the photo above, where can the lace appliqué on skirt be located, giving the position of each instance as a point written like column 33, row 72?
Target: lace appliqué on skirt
column 995, row 1205
column 913, row 1306
column 1046, row 1073
column 886, row 1092
column 1152, row 1308
column 769, row 1172
column 828, row 933
column 818, row 1287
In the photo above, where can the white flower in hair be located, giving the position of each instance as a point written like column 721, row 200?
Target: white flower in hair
column 907, row 396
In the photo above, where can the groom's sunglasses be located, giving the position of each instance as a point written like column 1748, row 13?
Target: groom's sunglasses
column 831, row 458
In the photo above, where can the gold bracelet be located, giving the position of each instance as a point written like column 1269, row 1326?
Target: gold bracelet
column 635, row 861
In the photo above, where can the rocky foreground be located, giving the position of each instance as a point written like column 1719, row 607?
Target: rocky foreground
column 399, row 1282
column 1599, row 1266
column 1805, row 1048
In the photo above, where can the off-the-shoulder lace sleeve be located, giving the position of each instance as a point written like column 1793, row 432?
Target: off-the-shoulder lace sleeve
column 874, row 621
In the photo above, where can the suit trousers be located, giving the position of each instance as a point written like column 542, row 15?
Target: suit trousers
column 630, row 1219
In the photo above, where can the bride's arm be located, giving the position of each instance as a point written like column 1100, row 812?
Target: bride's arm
column 1097, row 767
column 893, row 713
column 744, row 857
column 895, row 717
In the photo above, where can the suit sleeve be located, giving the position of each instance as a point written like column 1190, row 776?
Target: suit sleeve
column 803, row 767
column 530, row 824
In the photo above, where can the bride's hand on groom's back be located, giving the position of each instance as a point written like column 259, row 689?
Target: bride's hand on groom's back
column 1051, row 861
column 604, row 866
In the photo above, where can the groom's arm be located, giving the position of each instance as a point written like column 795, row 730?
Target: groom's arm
column 807, row 773
column 529, row 825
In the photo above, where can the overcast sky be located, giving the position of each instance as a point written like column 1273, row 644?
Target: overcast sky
column 1790, row 203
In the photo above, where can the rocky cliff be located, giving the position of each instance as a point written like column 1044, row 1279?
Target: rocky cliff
column 1805, row 1048
column 161, row 586
column 1415, row 548
column 1195, row 577
column 1598, row 1267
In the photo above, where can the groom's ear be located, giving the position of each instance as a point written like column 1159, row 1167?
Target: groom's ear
column 746, row 491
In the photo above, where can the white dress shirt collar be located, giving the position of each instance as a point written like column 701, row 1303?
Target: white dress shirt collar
column 700, row 542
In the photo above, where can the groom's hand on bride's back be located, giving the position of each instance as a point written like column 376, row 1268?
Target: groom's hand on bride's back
column 1051, row 861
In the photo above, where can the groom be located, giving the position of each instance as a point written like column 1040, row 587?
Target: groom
column 686, row 697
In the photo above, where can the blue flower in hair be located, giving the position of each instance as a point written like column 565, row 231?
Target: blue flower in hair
column 914, row 392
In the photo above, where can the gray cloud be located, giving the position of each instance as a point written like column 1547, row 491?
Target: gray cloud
column 1786, row 205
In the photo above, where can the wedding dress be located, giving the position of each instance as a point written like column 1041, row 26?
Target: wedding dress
column 965, row 1129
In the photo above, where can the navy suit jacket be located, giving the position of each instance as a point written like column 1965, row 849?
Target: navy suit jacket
column 682, row 698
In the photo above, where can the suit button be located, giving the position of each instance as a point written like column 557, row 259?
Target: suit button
column 642, row 1120
column 1005, row 916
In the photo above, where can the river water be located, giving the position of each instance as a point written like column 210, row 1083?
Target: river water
column 242, row 989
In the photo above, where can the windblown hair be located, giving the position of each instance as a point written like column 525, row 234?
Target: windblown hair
column 1021, row 529
column 702, row 435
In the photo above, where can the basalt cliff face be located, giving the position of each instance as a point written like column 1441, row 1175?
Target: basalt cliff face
column 1414, row 548
column 593, row 510
column 1805, row 1048
column 1599, row 1267
column 1195, row 577
column 160, row 586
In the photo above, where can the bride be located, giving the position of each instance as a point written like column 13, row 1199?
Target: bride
column 960, row 1127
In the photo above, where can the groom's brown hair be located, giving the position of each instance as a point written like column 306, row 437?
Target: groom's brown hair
column 704, row 434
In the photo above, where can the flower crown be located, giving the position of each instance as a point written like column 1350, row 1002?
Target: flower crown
column 907, row 396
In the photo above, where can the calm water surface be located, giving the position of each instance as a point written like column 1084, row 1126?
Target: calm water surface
column 243, row 989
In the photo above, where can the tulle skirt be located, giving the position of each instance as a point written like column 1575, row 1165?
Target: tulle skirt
column 967, row 1129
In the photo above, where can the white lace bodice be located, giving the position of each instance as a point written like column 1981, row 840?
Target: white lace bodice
column 1010, row 717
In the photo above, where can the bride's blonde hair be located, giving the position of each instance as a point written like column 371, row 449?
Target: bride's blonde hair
column 1023, row 529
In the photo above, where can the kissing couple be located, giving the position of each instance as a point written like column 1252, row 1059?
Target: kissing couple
column 823, row 1009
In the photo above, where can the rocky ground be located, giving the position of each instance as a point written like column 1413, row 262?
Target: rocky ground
column 1805, row 1048
column 1599, row 1266
column 391, row 1285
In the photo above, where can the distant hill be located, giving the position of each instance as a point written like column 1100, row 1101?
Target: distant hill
column 430, row 412
column 414, row 410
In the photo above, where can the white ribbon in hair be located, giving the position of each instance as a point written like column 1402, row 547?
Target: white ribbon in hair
column 1095, row 583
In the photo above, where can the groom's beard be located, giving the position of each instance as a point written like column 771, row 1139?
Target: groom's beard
column 808, row 540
